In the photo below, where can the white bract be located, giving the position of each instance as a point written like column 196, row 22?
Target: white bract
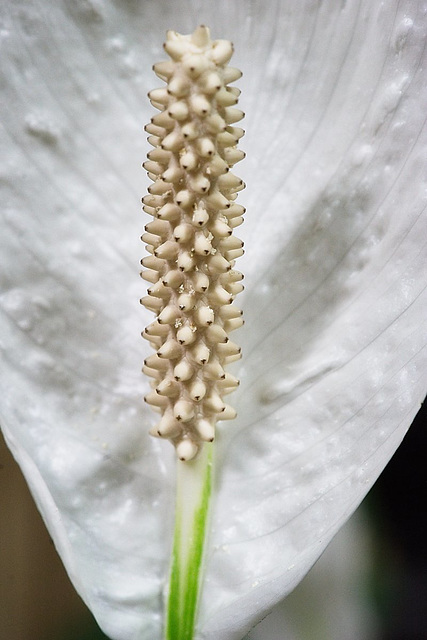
column 334, row 345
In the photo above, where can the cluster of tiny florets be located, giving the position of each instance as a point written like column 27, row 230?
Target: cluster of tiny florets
column 191, row 246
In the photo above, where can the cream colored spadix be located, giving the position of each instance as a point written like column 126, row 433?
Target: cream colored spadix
column 193, row 251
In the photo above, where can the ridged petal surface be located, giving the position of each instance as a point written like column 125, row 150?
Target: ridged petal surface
column 334, row 364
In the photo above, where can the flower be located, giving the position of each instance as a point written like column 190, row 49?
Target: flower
column 334, row 342
column 190, row 243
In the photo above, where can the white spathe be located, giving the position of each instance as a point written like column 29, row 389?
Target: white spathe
column 334, row 344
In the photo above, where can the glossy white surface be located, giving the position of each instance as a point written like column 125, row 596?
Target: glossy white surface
column 334, row 364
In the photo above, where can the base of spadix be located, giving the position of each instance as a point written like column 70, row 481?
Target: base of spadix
column 194, row 482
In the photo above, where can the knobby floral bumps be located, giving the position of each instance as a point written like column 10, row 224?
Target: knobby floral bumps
column 190, row 242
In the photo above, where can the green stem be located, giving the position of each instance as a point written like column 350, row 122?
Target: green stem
column 194, row 482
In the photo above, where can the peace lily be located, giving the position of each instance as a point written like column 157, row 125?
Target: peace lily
column 334, row 342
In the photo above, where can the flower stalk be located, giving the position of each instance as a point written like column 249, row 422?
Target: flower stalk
column 194, row 483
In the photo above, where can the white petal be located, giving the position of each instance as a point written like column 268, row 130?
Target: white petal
column 332, row 375
column 71, row 388
column 336, row 369
column 332, row 597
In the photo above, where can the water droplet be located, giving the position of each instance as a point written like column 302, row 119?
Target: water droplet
column 401, row 33
column 89, row 10
column 42, row 127
column 116, row 44
column 362, row 155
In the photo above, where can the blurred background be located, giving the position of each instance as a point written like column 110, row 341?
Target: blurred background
column 370, row 584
